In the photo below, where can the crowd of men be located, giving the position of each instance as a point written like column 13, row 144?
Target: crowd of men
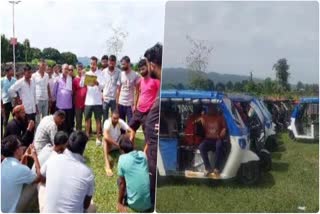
column 45, row 132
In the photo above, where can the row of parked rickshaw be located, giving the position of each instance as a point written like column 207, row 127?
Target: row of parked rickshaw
column 252, row 125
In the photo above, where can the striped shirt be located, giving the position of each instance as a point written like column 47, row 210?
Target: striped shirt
column 45, row 133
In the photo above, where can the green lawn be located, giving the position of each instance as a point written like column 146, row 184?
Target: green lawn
column 106, row 189
column 293, row 182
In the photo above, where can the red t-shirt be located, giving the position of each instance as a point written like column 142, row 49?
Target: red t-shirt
column 148, row 92
column 79, row 93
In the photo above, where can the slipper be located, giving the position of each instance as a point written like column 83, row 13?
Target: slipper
column 109, row 172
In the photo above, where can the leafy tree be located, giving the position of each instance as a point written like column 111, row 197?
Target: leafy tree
column 35, row 53
column 51, row 53
column 116, row 41
column 229, row 86
column 220, row 86
column 281, row 67
column 300, row 86
column 5, row 49
column 238, row 86
column 69, row 58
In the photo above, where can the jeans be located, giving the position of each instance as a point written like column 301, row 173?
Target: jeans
column 79, row 116
column 7, row 110
column 106, row 106
column 43, row 106
column 151, row 153
column 125, row 112
column 211, row 145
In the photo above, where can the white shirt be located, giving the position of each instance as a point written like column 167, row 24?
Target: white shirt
column 111, row 80
column 51, row 83
column 41, row 85
column 26, row 92
column 68, row 182
column 94, row 94
column 13, row 176
column 115, row 131
column 128, row 83
column 45, row 133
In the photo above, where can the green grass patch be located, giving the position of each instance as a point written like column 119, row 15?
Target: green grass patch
column 293, row 182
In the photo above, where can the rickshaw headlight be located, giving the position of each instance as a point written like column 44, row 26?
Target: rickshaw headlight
column 242, row 143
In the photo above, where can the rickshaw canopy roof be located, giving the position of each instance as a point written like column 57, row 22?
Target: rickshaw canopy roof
column 309, row 100
column 191, row 94
column 240, row 97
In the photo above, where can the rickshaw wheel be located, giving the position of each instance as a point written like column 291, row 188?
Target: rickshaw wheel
column 249, row 173
column 271, row 144
column 265, row 160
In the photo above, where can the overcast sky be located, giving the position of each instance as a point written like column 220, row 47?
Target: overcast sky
column 247, row 36
column 82, row 27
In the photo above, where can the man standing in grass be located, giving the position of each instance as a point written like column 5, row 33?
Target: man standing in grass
column 125, row 93
column 79, row 96
column 43, row 94
column 93, row 102
column 111, row 75
column 147, row 90
column 63, row 95
column 112, row 132
column 26, row 89
column 133, row 181
column 154, row 62
column 6, row 100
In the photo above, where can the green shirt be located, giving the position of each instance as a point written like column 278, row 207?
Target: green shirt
column 134, row 168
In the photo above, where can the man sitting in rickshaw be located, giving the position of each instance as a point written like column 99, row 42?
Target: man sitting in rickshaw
column 215, row 131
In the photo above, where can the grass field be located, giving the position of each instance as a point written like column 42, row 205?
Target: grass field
column 106, row 189
column 293, row 182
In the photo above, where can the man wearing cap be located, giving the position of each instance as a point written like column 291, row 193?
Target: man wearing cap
column 18, row 126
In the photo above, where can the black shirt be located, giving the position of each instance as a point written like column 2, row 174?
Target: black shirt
column 19, row 128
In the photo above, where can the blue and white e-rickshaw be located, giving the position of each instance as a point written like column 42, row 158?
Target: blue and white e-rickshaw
column 304, row 122
column 178, row 153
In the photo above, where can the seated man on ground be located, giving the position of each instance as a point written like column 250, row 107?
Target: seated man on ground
column 69, row 182
column 49, row 151
column 47, row 129
column 112, row 132
column 14, row 174
column 133, row 181
column 215, row 131
column 18, row 126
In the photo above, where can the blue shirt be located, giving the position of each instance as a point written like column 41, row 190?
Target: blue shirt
column 5, row 85
column 133, row 167
column 13, row 176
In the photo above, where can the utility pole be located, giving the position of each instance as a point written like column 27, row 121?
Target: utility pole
column 14, row 40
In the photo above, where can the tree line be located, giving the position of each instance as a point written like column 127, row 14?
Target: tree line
column 197, row 62
column 27, row 54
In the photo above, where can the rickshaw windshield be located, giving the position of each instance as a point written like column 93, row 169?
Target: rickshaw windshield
column 258, row 111
column 264, row 110
column 235, row 114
